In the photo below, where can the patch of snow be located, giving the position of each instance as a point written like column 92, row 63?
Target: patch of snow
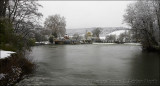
column 102, row 38
column 5, row 54
column 103, row 43
column 133, row 44
column 47, row 42
column 43, row 42
column 2, row 75
column 117, row 33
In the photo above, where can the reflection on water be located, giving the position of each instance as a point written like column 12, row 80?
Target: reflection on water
column 94, row 65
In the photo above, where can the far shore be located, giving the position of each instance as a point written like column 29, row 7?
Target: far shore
column 95, row 43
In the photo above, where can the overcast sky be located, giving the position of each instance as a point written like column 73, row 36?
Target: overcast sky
column 86, row 14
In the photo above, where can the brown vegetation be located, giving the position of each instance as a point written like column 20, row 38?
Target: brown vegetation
column 14, row 68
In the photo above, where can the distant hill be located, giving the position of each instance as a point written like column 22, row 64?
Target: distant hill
column 105, row 30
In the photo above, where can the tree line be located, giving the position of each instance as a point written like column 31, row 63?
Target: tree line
column 17, row 18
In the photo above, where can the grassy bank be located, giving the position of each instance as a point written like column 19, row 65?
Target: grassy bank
column 14, row 68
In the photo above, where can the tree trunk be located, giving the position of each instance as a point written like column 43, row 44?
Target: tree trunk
column 158, row 17
column 3, row 4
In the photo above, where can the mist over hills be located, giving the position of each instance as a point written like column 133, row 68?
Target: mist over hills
column 104, row 30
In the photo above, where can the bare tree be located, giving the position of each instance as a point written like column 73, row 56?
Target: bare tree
column 121, row 37
column 156, row 4
column 76, row 37
column 57, row 24
column 20, row 11
column 23, row 15
column 110, row 38
column 141, row 17
column 3, row 4
column 96, row 32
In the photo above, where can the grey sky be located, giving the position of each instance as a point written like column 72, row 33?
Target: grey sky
column 85, row 14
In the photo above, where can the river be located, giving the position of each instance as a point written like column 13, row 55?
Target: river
column 117, row 64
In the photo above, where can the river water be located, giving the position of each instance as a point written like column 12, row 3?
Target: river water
column 116, row 64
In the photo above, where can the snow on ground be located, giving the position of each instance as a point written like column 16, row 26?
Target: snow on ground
column 5, row 54
column 102, row 38
column 103, row 43
column 43, row 42
column 2, row 75
column 117, row 33
column 132, row 43
column 138, row 44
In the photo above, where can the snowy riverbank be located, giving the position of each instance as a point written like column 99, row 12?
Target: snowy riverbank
column 5, row 54
column 138, row 44
column 103, row 43
column 14, row 67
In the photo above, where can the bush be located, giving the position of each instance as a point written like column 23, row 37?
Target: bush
column 51, row 39
column 6, row 36
column 15, row 67
column 32, row 42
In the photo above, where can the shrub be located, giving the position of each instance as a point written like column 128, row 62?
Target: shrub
column 15, row 67
column 6, row 35
column 32, row 42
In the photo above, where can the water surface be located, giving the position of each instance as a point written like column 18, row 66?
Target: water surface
column 94, row 65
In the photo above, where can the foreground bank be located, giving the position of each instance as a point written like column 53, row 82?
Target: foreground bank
column 14, row 68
